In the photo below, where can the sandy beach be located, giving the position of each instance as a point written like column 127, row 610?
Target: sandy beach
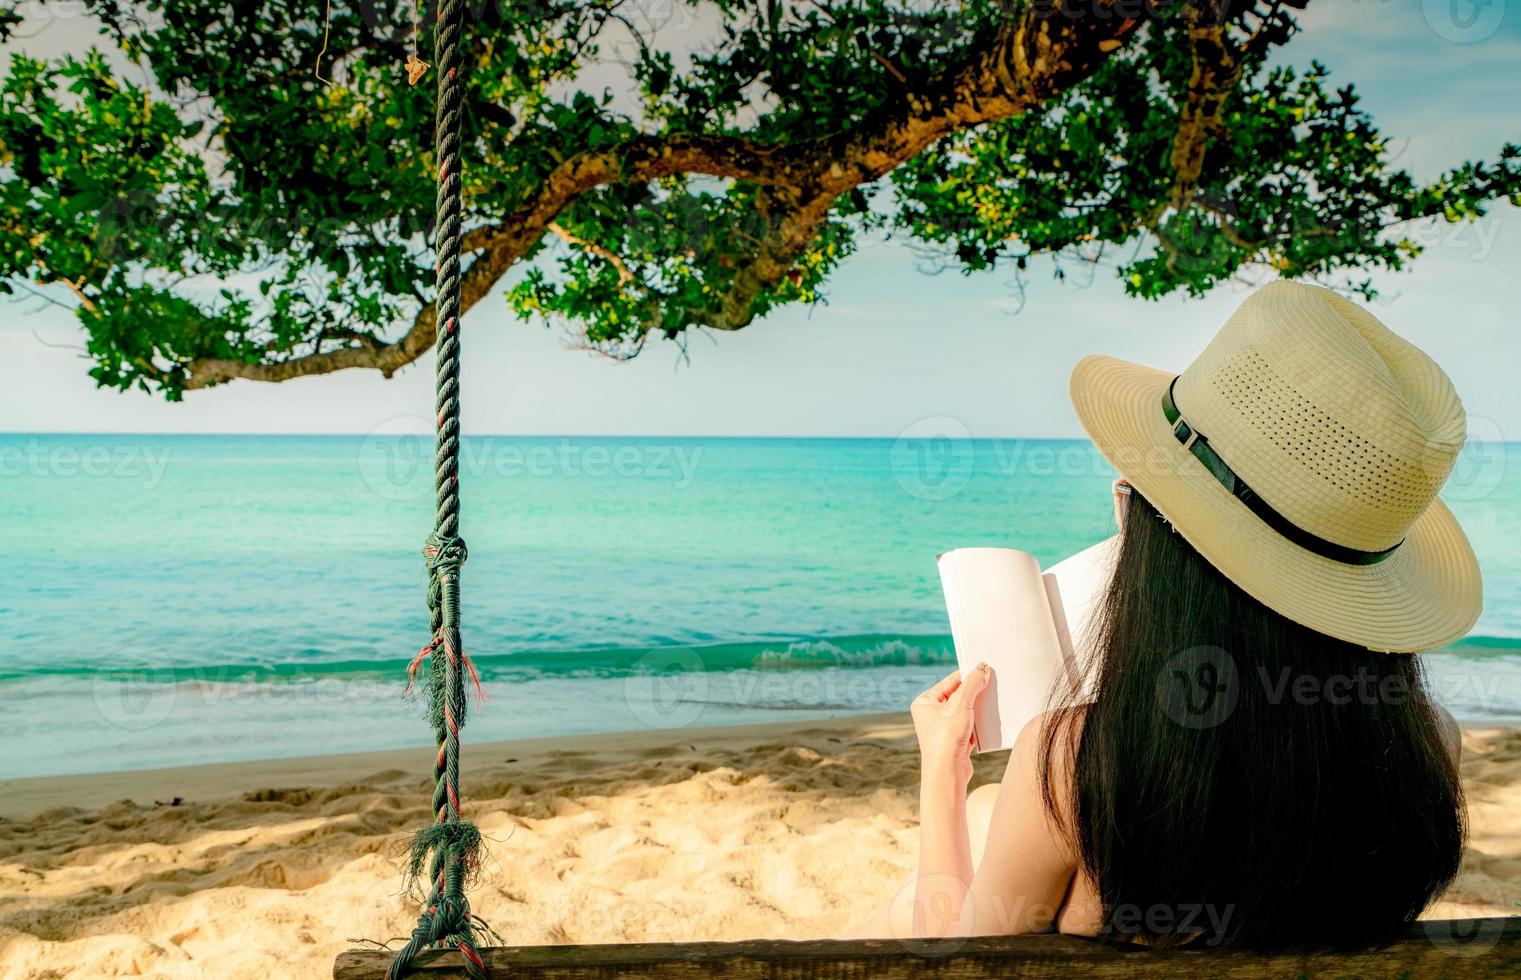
column 269, row 869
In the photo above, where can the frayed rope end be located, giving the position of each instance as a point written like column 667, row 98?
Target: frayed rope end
column 461, row 841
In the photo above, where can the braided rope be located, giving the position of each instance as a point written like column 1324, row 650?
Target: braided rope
column 450, row 848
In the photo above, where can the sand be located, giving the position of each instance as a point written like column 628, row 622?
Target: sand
column 269, row 869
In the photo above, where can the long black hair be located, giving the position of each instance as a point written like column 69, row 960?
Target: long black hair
column 1242, row 780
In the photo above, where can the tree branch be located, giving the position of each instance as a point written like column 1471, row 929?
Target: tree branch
column 606, row 254
column 1025, row 60
column 483, row 273
column 1217, row 68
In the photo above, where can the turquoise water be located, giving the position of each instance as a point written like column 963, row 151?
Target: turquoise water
column 178, row 599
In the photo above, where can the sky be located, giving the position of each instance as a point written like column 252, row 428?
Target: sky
column 898, row 348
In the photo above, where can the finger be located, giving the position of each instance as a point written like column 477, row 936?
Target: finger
column 944, row 688
column 977, row 681
column 980, row 679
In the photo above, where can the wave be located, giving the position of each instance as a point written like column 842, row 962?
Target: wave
column 819, row 653
column 878, row 650
column 1485, row 646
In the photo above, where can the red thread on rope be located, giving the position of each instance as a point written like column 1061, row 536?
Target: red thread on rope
column 457, row 658
column 470, row 954
column 412, row 668
column 454, row 658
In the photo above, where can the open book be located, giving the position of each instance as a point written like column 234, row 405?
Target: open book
column 1029, row 627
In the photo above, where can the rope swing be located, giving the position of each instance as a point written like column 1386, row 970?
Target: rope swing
column 450, row 848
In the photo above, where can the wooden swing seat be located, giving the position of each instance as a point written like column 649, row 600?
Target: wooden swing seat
column 1455, row 948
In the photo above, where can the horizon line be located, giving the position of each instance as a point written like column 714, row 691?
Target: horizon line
column 523, row 435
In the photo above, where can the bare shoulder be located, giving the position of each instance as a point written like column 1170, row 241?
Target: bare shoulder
column 1045, row 752
column 1027, row 865
column 1064, row 726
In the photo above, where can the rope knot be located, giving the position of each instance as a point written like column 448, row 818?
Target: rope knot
column 444, row 555
column 459, row 844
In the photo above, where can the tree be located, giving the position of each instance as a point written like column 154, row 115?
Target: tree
column 258, row 204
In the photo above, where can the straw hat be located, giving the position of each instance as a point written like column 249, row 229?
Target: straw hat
column 1301, row 454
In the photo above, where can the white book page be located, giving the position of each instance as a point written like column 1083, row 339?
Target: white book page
column 1076, row 585
column 1000, row 616
column 1033, row 630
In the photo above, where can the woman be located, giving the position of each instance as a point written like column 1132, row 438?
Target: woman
column 1260, row 765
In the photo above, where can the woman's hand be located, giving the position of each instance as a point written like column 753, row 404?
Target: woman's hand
column 943, row 723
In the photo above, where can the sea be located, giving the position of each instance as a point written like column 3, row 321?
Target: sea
column 177, row 599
